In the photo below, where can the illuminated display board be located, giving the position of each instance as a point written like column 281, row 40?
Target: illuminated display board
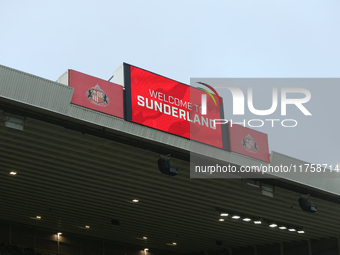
column 96, row 94
column 164, row 104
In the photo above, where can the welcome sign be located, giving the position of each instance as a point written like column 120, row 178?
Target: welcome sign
column 164, row 104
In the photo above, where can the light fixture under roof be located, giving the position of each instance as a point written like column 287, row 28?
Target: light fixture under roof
column 257, row 220
column 146, row 249
column 87, row 226
column 135, row 200
column 36, row 217
column 143, row 238
column 59, row 233
column 13, row 173
column 14, row 121
column 172, row 244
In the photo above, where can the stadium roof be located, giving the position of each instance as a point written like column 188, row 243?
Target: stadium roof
column 78, row 167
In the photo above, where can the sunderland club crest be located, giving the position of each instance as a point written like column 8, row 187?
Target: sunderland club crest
column 249, row 144
column 97, row 96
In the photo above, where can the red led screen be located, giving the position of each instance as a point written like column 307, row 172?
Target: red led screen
column 170, row 106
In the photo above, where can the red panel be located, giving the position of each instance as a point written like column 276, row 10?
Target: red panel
column 248, row 142
column 96, row 94
column 170, row 106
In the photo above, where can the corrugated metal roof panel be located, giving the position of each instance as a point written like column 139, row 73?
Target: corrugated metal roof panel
column 32, row 90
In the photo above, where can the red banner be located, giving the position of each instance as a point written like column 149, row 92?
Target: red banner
column 96, row 94
column 248, row 142
column 173, row 107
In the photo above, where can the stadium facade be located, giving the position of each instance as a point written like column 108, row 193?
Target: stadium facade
column 79, row 157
